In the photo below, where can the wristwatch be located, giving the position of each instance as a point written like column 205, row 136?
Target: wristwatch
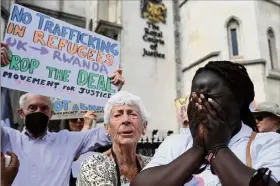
column 259, row 176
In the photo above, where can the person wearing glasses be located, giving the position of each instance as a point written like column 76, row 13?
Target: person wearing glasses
column 267, row 116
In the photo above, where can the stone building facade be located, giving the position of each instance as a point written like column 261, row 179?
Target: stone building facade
column 247, row 32
column 147, row 47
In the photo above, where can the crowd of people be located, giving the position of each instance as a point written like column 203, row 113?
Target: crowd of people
column 226, row 144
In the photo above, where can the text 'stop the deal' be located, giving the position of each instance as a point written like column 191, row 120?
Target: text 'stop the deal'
column 56, row 59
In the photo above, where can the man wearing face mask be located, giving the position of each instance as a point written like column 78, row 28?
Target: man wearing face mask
column 46, row 158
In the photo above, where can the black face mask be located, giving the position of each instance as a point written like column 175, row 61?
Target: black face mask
column 36, row 122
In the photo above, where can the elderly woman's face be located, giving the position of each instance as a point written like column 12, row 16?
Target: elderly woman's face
column 213, row 86
column 126, row 125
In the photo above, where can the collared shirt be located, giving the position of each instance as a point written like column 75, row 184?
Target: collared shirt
column 47, row 161
column 265, row 152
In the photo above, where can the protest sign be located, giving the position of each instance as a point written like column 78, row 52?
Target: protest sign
column 181, row 109
column 65, row 109
column 53, row 58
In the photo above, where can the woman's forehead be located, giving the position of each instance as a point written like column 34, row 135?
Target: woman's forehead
column 206, row 77
column 209, row 81
column 118, row 108
column 37, row 100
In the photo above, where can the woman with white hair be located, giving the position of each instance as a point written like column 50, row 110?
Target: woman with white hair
column 125, row 120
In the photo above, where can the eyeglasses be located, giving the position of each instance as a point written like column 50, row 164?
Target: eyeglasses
column 259, row 118
column 76, row 119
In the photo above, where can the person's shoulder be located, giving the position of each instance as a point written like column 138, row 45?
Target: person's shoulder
column 96, row 159
column 263, row 138
column 266, row 152
column 62, row 135
column 68, row 133
column 172, row 147
column 266, row 141
column 175, row 144
column 96, row 163
column 178, row 140
column 145, row 159
column 9, row 130
column 62, row 132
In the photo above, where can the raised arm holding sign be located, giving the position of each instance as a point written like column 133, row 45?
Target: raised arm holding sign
column 53, row 58
column 50, row 58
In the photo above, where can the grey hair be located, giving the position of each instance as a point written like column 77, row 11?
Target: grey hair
column 124, row 98
column 23, row 98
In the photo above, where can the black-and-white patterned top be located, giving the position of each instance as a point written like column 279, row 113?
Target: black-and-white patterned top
column 100, row 170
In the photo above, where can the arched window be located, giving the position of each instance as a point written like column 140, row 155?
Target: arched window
column 233, row 33
column 272, row 48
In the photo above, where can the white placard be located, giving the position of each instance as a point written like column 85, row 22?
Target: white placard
column 65, row 109
column 53, row 58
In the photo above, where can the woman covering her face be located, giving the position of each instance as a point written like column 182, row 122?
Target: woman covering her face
column 221, row 147
column 125, row 120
